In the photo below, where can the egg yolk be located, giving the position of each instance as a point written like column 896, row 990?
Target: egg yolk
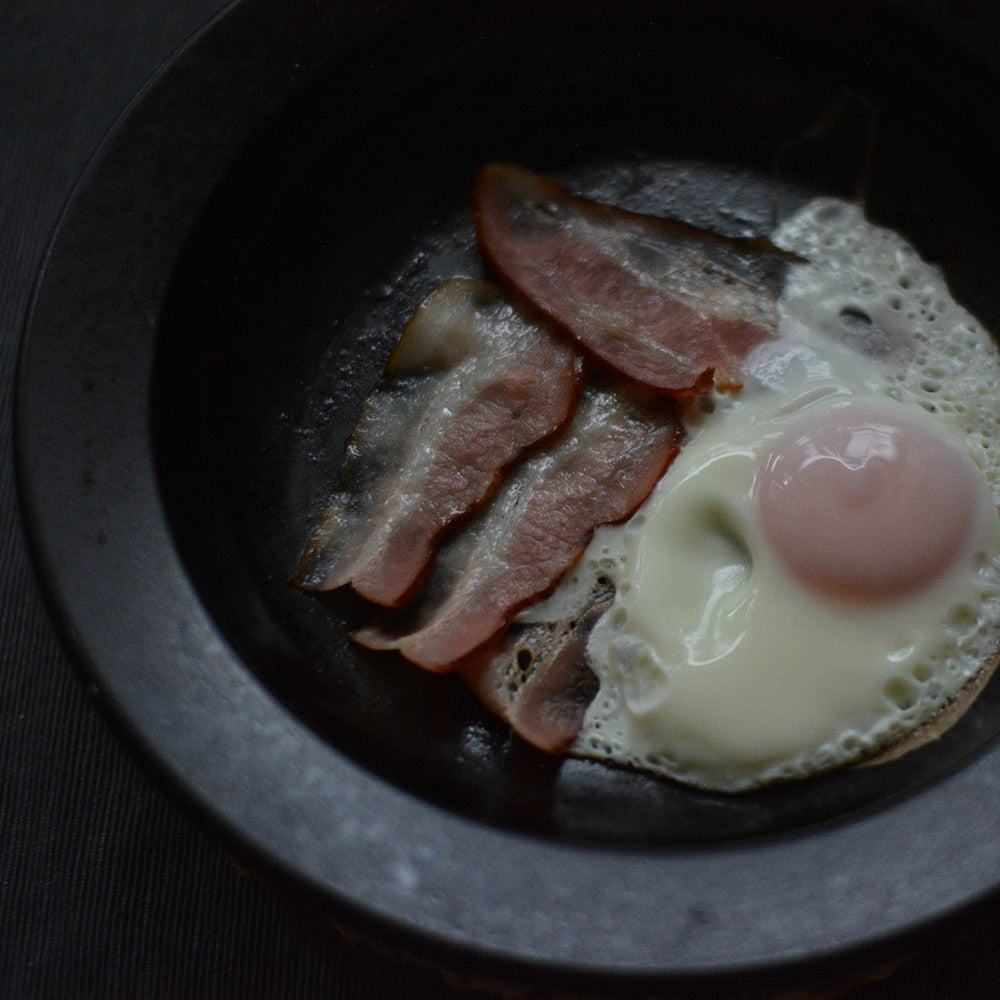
column 863, row 505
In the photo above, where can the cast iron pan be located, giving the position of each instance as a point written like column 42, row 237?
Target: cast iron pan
column 222, row 292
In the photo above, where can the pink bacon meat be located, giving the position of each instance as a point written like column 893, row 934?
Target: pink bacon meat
column 472, row 383
column 669, row 306
column 539, row 523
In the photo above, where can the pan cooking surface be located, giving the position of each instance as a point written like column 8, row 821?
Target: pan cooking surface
column 216, row 309
column 318, row 290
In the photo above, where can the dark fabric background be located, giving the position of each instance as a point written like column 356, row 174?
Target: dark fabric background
column 108, row 888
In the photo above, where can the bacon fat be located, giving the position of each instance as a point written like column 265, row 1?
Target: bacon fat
column 537, row 678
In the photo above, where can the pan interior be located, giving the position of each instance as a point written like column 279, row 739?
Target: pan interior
column 353, row 204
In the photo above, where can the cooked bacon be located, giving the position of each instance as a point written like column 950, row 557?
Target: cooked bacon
column 472, row 383
column 539, row 522
column 672, row 307
column 537, row 678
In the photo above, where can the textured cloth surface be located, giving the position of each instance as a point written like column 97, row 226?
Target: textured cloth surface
column 108, row 887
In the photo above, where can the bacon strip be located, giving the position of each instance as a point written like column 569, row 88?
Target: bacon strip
column 539, row 523
column 669, row 306
column 472, row 383
column 537, row 678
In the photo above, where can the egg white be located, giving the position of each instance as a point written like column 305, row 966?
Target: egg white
column 715, row 666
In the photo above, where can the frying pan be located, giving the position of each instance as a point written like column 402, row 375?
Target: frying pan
column 223, row 290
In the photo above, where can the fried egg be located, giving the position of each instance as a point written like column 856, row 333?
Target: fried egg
column 818, row 573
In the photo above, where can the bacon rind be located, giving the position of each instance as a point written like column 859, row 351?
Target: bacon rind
column 413, row 470
column 537, row 526
column 670, row 307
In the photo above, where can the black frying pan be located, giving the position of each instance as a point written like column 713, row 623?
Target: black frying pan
column 223, row 292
